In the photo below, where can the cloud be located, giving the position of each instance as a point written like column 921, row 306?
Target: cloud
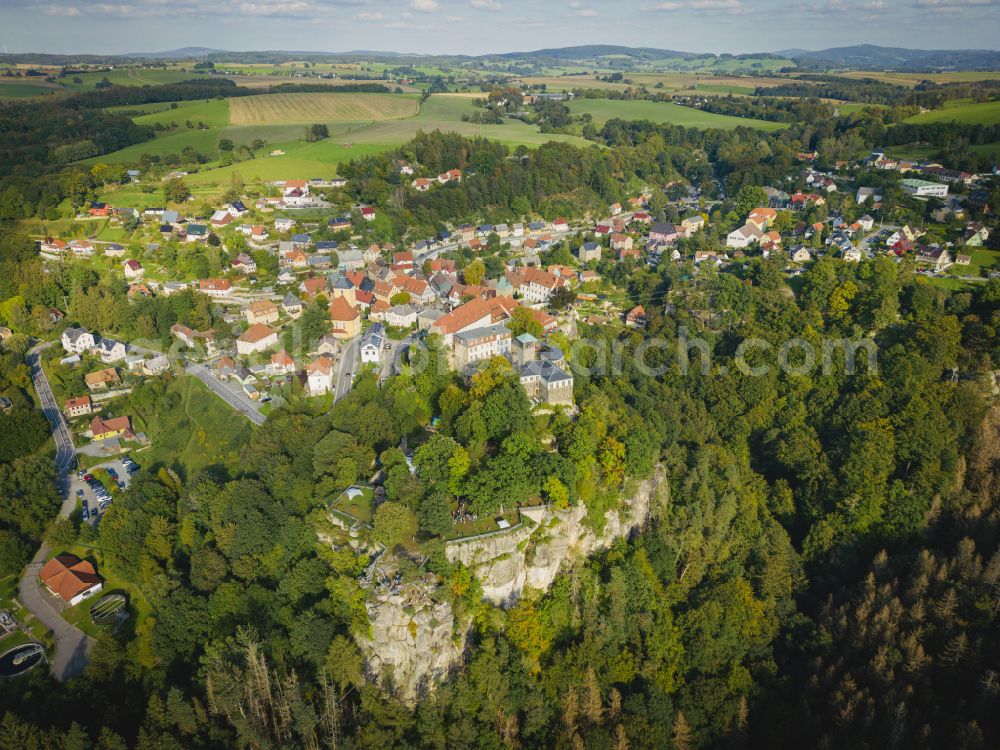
column 954, row 3
column 371, row 16
column 704, row 6
column 586, row 12
column 424, row 6
column 486, row 4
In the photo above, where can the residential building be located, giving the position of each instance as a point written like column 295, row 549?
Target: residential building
column 401, row 316
column 292, row 305
column 372, row 343
column 261, row 311
column 77, row 407
column 112, row 427
column 101, row 380
column 110, row 350
column 215, row 287
column 256, row 338
column 77, row 340
column 319, row 375
column 133, row 269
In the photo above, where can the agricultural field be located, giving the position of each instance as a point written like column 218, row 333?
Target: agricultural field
column 269, row 109
column 912, row 79
column 128, row 77
column 671, row 82
column 19, row 88
column 663, row 112
column 963, row 111
column 352, row 140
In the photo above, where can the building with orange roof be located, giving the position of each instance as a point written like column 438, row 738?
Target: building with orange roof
column 78, row 407
column 102, row 429
column 345, row 317
column 256, row 338
column 70, row 578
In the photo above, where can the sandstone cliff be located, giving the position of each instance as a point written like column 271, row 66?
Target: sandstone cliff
column 414, row 636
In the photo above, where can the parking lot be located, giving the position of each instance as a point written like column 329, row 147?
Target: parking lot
column 84, row 492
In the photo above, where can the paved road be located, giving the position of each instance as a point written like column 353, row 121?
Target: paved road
column 237, row 399
column 346, row 368
column 72, row 645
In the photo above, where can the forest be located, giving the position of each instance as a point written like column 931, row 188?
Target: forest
column 824, row 572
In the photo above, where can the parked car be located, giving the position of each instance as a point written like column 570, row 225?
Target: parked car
column 79, row 493
column 85, row 514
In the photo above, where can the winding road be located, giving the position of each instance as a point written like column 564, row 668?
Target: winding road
column 72, row 644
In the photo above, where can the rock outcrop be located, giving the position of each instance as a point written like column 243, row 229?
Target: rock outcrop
column 413, row 634
column 413, row 640
column 531, row 554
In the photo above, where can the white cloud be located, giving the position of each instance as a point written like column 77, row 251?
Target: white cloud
column 371, row 16
column 953, row 3
column 424, row 6
column 707, row 6
column 668, row 6
column 587, row 12
column 486, row 4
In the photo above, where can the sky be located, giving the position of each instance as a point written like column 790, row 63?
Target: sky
column 486, row 26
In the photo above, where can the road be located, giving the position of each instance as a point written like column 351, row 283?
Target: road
column 346, row 368
column 72, row 645
column 236, row 399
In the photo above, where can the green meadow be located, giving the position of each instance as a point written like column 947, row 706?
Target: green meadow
column 962, row 111
column 663, row 112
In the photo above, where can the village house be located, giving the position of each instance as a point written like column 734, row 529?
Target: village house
column 924, row 189
column 421, row 184
column 133, row 269
column 319, row 375
column 256, row 338
column 284, row 225
column 215, row 287
column 368, row 213
column 221, row 218
column 112, row 427
column 281, row 364
column 933, row 256
column 476, row 313
column 762, row 218
column 110, row 350
column 114, row 250
column 81, row 248
column 195, row 233
column 292, row 305
column 589, row 251
column 636, row 317
column 77, row 340
column 101, row 380
column 401, row 316
column 77, row 407
column 372, row 343
column 245, row 263
column 663, row 232
column 261, row 311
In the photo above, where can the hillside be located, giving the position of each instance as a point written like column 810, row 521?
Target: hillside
column 873, row 57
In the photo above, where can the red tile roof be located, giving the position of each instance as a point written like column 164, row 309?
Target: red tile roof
column 67, row 576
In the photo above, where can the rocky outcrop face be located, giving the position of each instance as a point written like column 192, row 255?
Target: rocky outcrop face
column 412, row 643
column 415, row 641
column 531, row 554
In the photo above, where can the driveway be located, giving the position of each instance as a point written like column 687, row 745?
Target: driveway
column 72, row 645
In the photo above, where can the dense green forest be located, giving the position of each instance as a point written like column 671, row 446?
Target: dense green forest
column 824, row 570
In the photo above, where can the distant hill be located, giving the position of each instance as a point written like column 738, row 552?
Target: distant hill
column 587, row 51
column 873, row 57
column 176, row 54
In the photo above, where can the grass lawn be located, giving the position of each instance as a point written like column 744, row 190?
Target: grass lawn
column 663, row 112
column 963, row 111
column 484, row 525
column 139, row 607
column 190, row 428
column 983, row 260
column 359, row 506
